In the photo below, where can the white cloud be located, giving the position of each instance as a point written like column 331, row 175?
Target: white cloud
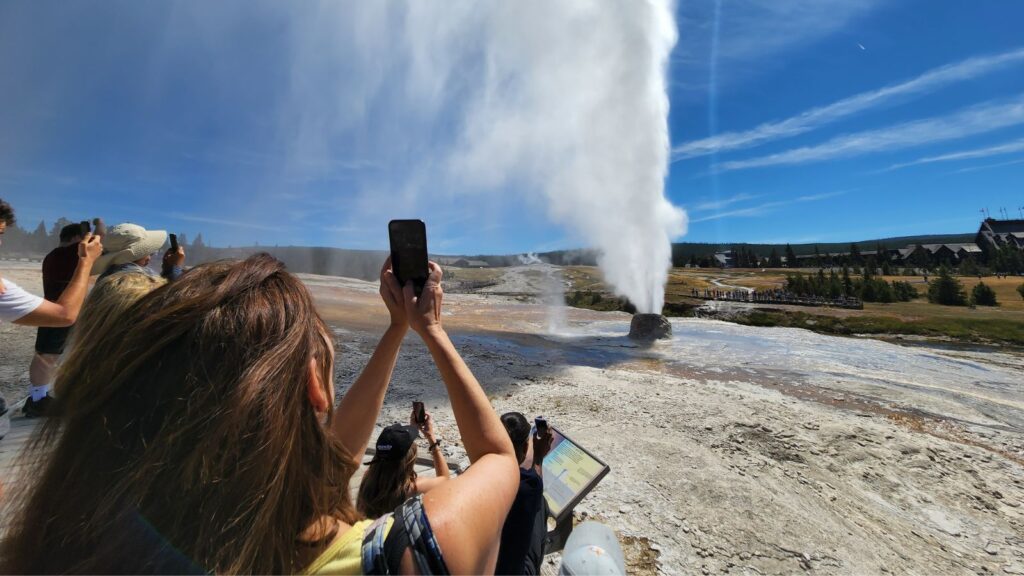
column 816, row 117
column 768, row 207
column 988, row 166
column 1005, row 148
column 966, row 122
column 221, row 221
column 721, row 203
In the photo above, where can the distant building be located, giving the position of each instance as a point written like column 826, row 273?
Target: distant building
column 945, row 253
column 998, row 233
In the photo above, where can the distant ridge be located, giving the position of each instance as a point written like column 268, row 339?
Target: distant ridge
column 366, row 263
column 683, row 250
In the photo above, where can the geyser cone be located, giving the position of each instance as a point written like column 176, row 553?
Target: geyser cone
column 650, row 327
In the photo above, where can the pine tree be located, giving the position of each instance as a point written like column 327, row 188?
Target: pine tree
column 946, row 290
column 847, row 283
column 983, row 295
column 40, row 239
column 817, row 256
column 791, row 257
column 774, row 261
column 58, row 225
column 855, row 255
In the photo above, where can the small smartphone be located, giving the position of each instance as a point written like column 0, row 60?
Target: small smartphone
column 99, row 227
column 421, row 412
column 409, row 252
column 542, row 425
column 86, row 227
column 174, row 242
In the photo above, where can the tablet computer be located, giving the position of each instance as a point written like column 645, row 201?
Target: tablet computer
column 570, row 473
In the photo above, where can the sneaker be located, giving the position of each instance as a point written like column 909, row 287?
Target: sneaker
column 38, row 408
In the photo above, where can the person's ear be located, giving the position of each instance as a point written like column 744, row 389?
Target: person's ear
column 315, row 388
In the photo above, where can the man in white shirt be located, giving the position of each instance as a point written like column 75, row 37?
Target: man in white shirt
column 20, row 307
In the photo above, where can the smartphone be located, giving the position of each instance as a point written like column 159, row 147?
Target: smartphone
column 542, row 425
column 421, row 413
column 86, row 227
column 174, row 242
column 409, row 252
column 99, row 227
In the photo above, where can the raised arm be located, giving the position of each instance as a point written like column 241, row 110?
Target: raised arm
column 467, row 512
column 359, row 409
column 64, row 312
column 442, row 474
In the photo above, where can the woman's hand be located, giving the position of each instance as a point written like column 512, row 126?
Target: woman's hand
column 426, row 428
column 391, row 293
column 424, row 311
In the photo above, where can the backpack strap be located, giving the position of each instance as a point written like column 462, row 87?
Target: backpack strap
column 374, row 560
column 410, row 530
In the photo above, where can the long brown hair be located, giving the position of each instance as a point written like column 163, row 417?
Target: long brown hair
column 387, row 484
column 101, row 311
column 189, row 442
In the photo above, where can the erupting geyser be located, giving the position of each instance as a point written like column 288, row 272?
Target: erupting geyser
column 650, row 327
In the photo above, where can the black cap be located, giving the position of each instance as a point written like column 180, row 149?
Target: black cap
column 394, row 443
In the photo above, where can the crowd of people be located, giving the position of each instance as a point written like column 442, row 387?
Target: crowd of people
column 191, row 427
column 771, row 296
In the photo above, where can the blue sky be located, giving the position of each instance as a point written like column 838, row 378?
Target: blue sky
column 791, row 121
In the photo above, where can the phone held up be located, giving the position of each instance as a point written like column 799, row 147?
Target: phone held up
column 174, row 242
column 409, row 252
column 86, row 228
column 421, row 412
column 542, row 425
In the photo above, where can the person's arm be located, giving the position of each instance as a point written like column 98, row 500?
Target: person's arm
column 423, row 485
column 466, row 513
column 541, row 447
column 173, row 264
column 65, row 310
column 360, row 407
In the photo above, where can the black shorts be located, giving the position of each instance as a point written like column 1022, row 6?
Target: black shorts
column 51, row 340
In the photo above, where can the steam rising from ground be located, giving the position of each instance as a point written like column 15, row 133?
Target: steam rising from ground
column 558, row 107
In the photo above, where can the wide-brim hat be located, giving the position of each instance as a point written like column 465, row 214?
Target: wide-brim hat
column 394, row 443
column 125, row 243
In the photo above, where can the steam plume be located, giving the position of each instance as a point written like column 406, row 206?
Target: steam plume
column 573, row 105
column 557, row 104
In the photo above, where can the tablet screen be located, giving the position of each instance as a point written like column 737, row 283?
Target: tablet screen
column 570, row 472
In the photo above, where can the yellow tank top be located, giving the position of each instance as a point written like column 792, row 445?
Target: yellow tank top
column 345, row 554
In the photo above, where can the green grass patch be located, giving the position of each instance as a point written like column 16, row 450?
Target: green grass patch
column 966, row 329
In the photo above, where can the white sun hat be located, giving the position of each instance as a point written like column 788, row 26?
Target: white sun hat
column 125, row 243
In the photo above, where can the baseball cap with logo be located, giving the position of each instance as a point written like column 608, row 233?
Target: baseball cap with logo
column 125, row 243
column 394, row 443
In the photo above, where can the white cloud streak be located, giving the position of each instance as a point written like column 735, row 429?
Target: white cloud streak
column 722, row 203
column 816, row 117
column 767, row 207
column 989, row 166
column 1005, row 148
column 966, row 122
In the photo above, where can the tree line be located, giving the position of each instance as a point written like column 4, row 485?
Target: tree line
column 833, row 285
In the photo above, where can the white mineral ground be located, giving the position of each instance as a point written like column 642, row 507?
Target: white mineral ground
column 733, row 449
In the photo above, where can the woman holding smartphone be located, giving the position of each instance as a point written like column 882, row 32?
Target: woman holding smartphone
column 390, row 477
column 221, row 450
